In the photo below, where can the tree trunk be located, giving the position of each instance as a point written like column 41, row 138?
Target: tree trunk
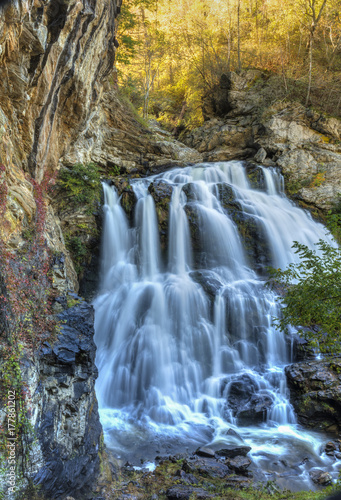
column 238, row 37
column 311, row 37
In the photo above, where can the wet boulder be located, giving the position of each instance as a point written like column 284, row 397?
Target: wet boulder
column 205, row 452
column 240, row 391
column 256, row 408
column 250, row 228
column 127, row 196
column 330, row 448
column 256, row 176
column 207, row 467
column 183, row 492
column 239, row 464
column 190, row 192
column 226, row 195
column 161, row 192
column 315, row 393
column 209, row 282
column 255, row 244
column 233, row 451
column 321, row 477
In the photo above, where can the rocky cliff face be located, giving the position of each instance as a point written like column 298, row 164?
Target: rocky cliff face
column 243, row 121
column 55, row 57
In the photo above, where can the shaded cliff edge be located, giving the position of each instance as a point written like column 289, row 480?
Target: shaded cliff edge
column 55, row 57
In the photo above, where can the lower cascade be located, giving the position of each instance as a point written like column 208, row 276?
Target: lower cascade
column 187, row 351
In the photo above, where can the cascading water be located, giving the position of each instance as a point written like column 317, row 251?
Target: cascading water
column 180, row 365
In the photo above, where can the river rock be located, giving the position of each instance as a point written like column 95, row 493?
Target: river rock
column 330, row 448
column 239, row 464
column 181, row 492
column 315, row 393
column 256, row 408
column 205, row 452
column 319, row 476
column 207, row 467
column 233, row 451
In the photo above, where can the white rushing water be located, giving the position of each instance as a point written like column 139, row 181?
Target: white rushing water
column 173, row 360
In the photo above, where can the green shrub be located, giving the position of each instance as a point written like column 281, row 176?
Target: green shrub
column 82, row 185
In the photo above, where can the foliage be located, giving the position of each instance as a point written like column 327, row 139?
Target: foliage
column 174, row 53
column 77, row 250
column 312, row 295
column 81, row 185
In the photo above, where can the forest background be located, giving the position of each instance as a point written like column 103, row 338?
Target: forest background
column 172, row 53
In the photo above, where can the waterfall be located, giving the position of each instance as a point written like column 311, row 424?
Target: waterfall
column 186, row 345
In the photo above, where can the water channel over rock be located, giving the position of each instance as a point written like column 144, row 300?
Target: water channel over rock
column 188, row 354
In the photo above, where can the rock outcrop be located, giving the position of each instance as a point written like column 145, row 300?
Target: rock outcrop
column 243, row 121
column 315, row 391
column 64, row 458
column 55, row 57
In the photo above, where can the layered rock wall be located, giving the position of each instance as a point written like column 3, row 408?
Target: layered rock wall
column 243, row 120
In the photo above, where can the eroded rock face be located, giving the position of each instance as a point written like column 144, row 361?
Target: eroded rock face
column 64, row 459
column 55, row 57
column 315, row 392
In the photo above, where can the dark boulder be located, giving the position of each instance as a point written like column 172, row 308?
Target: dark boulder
column 209, row 282
column 68, row 429
column 182, row 492
column 315, row 393
column 239, row 464
column 233, row 451
column 321, row 477
column 161, row 192
column 256, row 408
column 205, row 452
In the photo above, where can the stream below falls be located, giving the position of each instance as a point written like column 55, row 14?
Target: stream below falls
column 187, row 350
